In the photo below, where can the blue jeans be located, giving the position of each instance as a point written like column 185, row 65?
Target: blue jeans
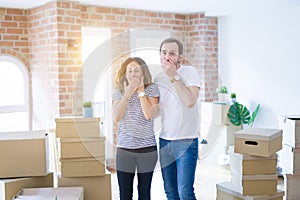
column 178, row 160
column 130, row 161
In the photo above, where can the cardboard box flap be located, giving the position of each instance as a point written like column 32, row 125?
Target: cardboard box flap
column 62, row 193
column 70, row 140
column 295, row 118
column 250, row 157
column 258, row 134
column 228, row 188
column 260, row 177
column 74, row 119
column 23, row 135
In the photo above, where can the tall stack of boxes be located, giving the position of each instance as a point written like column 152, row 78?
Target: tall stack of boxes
column 82, row 157
column 253, row 166
column 23, row 162
column 289, row 156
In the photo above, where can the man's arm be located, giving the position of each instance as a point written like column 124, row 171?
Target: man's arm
column 187, row 94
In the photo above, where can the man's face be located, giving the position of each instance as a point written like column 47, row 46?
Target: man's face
column 170, row 52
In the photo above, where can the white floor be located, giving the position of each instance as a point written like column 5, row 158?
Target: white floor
column 207, row 176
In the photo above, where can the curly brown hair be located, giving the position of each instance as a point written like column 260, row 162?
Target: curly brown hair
column 121, row 75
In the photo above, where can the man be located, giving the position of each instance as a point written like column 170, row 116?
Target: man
column 179, row 88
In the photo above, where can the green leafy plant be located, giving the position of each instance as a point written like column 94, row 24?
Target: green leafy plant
column 87, row 104
column 233, row 95
column 239, row 114
column 222, row 89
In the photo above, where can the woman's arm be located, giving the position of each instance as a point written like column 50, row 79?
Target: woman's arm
column 149, row 106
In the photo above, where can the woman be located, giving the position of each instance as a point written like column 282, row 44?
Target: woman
column 135, row 105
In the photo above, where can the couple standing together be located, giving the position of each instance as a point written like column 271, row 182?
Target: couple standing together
column 137, row 101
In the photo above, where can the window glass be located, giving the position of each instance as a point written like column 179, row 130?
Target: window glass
column 11, row 84
column 14, row 103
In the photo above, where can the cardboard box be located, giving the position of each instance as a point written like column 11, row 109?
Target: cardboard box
column 9, row 187
column 226, row 191
column 253, row 165
column 290, row 160
column 82, row 167
column 258, row 141
column 291, row 130
column 291, row 186
column 95, row 188
column 77, row 127
column 60, row 193
column 214, row 113
column 23, row 154
column 82, row 147
column 254, row 184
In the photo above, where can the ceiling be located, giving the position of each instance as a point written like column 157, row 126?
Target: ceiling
column 210, row 7
column 177, row 6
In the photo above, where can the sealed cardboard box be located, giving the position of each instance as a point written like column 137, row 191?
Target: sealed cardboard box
column 290, row 160
column 95, row 188
column 291, row 186
column 77, row 127
column 226, row 191
column 9, row 187
column 254, row 184
column 291, row 130
column 82, row 167
column 252, row 165
column 214, row 113
column 258, row 141
column 60, row 193
column 82, row 147
column 23, row 154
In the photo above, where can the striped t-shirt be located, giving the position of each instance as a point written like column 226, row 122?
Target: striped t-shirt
column 134, row 130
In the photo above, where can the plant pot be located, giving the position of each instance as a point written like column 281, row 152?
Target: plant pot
column 87, row 112
column 222, row 97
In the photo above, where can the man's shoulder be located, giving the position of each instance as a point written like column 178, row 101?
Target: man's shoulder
column 188, row 68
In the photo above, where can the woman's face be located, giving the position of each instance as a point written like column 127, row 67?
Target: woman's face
column 133, row 70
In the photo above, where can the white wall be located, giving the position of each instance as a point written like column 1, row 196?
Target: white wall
column 259, row 58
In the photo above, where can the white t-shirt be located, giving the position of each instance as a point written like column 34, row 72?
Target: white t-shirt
column 177, row 120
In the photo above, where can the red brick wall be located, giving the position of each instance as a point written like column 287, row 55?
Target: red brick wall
column 39, row 37
column 42, row 37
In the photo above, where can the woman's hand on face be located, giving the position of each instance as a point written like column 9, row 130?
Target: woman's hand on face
column 141, row 87
column 133, row 85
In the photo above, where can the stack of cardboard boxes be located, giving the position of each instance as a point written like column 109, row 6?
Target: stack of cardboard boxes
column 23, row 162
column 82, row 157
column 253, row 166
column 289, row 156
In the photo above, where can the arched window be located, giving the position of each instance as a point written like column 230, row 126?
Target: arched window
column 14, row 98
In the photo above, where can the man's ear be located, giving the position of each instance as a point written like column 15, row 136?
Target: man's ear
column 180, row 59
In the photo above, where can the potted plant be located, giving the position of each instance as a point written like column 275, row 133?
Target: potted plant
column 233, row 97
column 239, row 114
column 222, row 93
column 87, row 109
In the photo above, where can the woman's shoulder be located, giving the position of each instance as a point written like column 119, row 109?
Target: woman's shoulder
column 152, row 86
column 152, row 89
